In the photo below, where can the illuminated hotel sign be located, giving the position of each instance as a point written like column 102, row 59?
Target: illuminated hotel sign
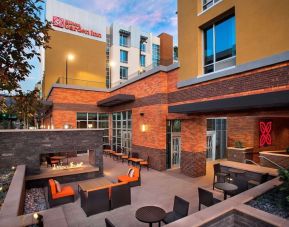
column 72, row 26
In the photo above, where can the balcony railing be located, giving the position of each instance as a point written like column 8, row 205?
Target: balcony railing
column 78, row 82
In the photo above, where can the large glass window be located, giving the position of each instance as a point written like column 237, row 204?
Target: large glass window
column 209, row 3
column 121, row 130
column 156, row 55
column 143, row 47
column 123, row 56
column 220, row 45
column 123, row 40
column 143, row 60
column 123, row 74
column 94, row 120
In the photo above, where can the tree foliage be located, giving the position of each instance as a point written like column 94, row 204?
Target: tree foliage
column 27, row 107
column 22, row 33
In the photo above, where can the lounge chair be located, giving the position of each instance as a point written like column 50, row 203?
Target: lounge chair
column 66, row 195
column 134, row 180
column 145, row 163
column 219, row 174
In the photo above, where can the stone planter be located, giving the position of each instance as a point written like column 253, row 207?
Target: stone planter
column 239, row 154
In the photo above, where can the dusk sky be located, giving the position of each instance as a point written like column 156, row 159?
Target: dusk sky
column 154, row 16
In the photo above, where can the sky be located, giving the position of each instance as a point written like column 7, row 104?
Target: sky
column 154, row 16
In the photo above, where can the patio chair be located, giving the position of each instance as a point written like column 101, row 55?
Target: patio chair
column 106, row 149
column 145, row 163
column 263, row 179
column 206, row 198
column 125, row 157
column 95, row 201
column 55, row 198
column 108, row 223
column 133, row 156
column 51, row 162
column 219, row 174
column 180, row 210
column 120, row 195
column 135, row 180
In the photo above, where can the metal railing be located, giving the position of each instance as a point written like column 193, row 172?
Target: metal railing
column 272, row 162
column 79, row 82
column 251, row 161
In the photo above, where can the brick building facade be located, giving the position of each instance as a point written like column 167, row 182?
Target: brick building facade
column 158, row 94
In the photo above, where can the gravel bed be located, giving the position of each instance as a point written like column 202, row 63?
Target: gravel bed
column 6, row 176
column 34, row 200
column 273, row 202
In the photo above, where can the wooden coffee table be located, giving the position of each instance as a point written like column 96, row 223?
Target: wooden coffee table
column 92, row 184
column 150, row 215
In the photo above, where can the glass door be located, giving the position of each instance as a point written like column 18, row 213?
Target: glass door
column 211, row 145
column 176, row 150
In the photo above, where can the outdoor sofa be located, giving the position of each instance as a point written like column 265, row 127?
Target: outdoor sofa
column 134, row 180
column 105, row 198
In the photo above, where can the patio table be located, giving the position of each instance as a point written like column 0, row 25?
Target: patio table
column 150, row 215
column 135, row 160
column 93, row 184
column 226, row 187
column 118, row 155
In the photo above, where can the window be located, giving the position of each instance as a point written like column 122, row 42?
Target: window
column 95, row 120
column 123, row 40
column 143, row 60
column 156, row 55
column 123, row 56
column 121, row 130
column 209, row 3
column 220, row 45
column 123, row 74
column 143, row 47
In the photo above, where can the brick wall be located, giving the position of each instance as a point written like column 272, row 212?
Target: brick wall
column 25, row 146
column 193, row 157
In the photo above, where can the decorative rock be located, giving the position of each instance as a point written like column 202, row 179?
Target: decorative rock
column 34, row 200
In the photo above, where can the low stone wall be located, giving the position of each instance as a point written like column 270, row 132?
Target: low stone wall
column 239, row 154
column 25, row 146
column 14, row 201
column 280, row 159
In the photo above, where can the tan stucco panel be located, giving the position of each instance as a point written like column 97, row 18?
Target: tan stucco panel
column 88, row 67
column 262, row 30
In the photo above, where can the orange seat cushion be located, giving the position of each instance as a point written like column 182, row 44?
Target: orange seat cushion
column 144, row 163
column 66, row 191
column 127, row 178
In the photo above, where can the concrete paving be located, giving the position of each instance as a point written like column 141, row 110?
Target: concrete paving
column 158, row 188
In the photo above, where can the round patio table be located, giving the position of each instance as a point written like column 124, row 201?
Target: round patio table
column 226, row 187
column 150, row 215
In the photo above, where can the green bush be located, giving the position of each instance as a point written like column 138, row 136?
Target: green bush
column 284, row 177
column 239, row 144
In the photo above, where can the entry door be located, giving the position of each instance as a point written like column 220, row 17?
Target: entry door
column 176, row 151
column 211, row 145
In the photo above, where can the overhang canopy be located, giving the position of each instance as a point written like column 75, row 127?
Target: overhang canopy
column 256, row 101
column 116, row 100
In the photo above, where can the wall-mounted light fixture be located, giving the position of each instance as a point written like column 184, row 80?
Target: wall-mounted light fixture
column 142, row 114
column 144, row 127
column 66, row 126
column 39, row 219
column 89, row 125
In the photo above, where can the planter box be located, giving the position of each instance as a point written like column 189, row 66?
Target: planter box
column 240, row 154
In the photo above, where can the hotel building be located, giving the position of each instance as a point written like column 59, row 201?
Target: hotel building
column 87, row 51
column 230, row 88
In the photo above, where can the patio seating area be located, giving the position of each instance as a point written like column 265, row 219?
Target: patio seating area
column 157, row 189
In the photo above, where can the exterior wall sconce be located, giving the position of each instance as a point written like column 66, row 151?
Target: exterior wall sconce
column 144, row 128
column 39, row 219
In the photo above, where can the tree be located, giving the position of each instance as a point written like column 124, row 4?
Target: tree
column 22, row 33
column 176, row 52
column 27, row 107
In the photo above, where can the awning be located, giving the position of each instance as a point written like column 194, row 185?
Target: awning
column 116, row 100
column 124, row 32
column 257, row 101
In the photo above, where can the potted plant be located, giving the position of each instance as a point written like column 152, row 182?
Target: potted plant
column 239, row 152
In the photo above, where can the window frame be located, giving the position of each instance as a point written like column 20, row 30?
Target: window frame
column 214, row 47
column 121, row 77
column 215, row 2
column 123, row 40
column 156, row 55
column 120, row 56
column 142, row 64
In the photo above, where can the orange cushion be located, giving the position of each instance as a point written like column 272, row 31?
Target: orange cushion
column 144, row 163
column 136, row 172
column 52, row 186
column 127, row 178
column 66, row 191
